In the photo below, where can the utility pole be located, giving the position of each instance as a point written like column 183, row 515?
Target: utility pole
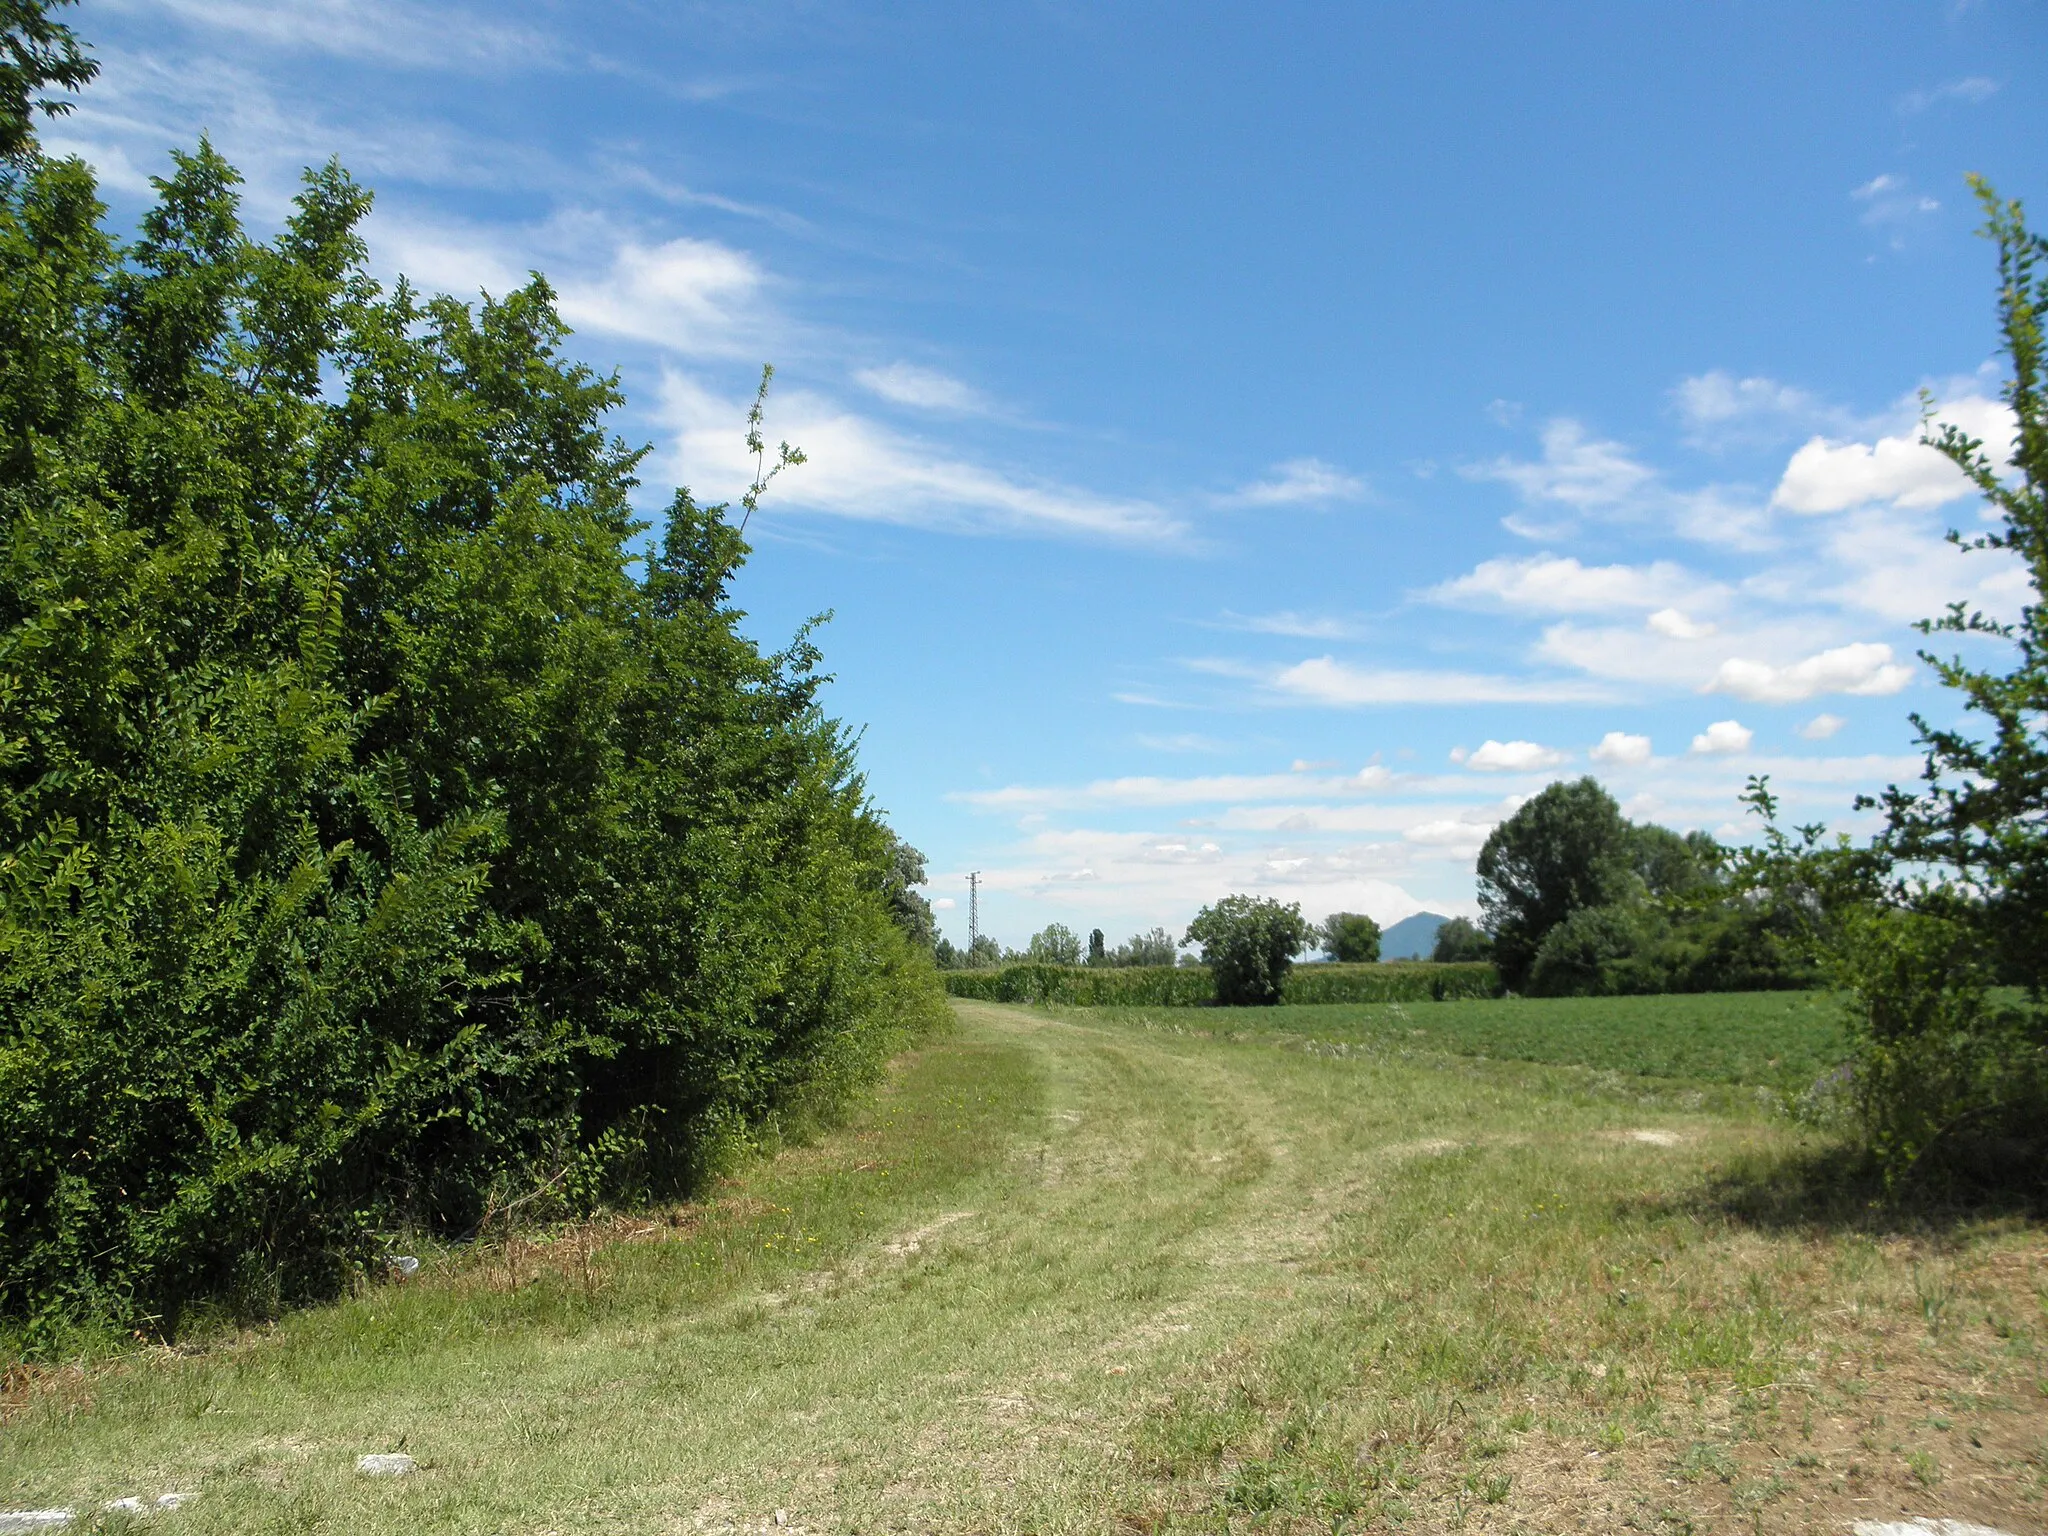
column 973, row 910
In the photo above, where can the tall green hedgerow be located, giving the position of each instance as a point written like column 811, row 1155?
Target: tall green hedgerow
column 379, row 832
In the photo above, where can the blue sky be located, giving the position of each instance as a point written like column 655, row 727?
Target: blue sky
column 1252, row 446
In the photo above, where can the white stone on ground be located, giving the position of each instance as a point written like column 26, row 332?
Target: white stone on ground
column 387, row 1464
column 1920, row 1525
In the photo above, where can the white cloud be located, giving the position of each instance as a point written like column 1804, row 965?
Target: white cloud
column 1622, row 749
column 1717, row 408
column 1560, row 584
column 1822, row 726
column 1652, row 654
column 1510, row 757
column 1298, row 626
column 1864, row 668
column 943, row 904
column 1889, row 202
column 924, row 389
column 1723, row 738
column 1827, row 476
column 1300, row 480
column 1673, row 625
column 1900, row 566
column 1576, row 470
column 438, row 37
column 1325, row 680
column 695, row 297
column 860, row 469
column 1970, row 90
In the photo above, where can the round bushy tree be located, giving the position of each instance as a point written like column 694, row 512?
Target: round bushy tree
column 1249, row 942
column 1350, row 937
column 1567, row 848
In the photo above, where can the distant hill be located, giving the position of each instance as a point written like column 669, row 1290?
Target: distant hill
column 1412, row 938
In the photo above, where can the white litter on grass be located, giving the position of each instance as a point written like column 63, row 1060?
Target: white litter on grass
column 1657, row 1138
column 1921, row 1526
column 173, row 1500
column 404, row 1265
column 387, row 1464
column 33, row 1520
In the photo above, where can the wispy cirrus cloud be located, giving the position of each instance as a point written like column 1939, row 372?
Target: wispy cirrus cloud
column 924, row 389
column 1968, row 90
column 863, row 470
column 412, row 36
column 1583, row 477
column 1297, row 626
column 1296, row 482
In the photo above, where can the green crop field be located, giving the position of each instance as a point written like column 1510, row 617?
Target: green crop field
column 1084, row 1273
column 1775, row 1039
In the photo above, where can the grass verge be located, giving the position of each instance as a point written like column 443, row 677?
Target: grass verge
column 1073, row 1275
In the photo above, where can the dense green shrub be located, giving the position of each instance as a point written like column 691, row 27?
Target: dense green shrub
column 1249, row 944
column 378, row 835
column 1168, row 986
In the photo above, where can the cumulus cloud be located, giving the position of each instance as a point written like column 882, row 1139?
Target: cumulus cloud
column 1326, row 680
column 1509, row 757
column 1723, row 738
column 1560, row 584
column 1864, row 668
column 1822, row 726
column 943, row 904
column 1673, row 625
column 1622, row 750
column 923, row 389
column 1830, row 476
column 1296, row 481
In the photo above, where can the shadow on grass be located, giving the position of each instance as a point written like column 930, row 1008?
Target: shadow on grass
column 1832, row 1189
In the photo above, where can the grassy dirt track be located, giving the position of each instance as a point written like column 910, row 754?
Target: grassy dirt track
column 1078, row 1273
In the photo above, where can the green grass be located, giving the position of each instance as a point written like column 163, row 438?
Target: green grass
column 1778, row 1039
column 1073, row 1275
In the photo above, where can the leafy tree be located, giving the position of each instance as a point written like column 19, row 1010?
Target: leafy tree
column 1250, row 942
column 947, row 956
column 1953, row 896
column 1153, row 948
column 1461, row 939
column 382, row 833
column 35, row 53
column 1350, row 937
column 983, row 953
column 1568, row 847
column 1055, row 944
column 903, row 871
column 1098, row 949
column 1673, row 866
